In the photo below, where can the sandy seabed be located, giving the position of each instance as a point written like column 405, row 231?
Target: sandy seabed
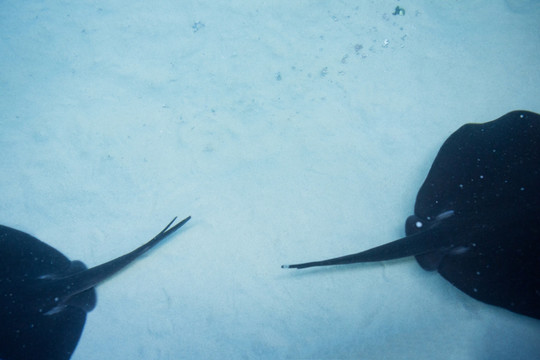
column 289, row 131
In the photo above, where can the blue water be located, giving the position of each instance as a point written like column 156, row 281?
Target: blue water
column 289, row 131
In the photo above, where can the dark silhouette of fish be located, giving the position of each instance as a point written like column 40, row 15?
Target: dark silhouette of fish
column 477, row 216
column 44, row 297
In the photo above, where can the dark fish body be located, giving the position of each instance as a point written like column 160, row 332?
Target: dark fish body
column 477, row 215
column 44, row 297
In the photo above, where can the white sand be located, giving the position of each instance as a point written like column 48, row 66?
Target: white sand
column 290, row 131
